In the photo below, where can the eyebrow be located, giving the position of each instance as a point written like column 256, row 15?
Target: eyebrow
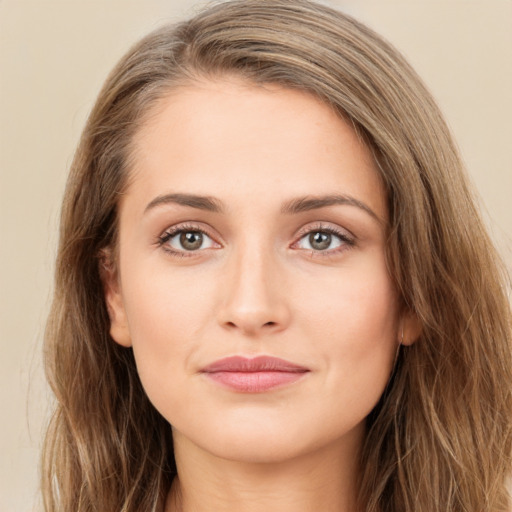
column 307, row 203
column 207, row 203
column 294, row 206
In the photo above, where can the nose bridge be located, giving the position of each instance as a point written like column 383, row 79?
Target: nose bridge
column 253, row 298
column 253, row 274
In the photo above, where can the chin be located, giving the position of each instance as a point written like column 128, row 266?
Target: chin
column 267, row 442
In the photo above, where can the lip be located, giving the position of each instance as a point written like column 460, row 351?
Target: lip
column 254, row 375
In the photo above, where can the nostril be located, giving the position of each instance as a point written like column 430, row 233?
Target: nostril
column 235, row 325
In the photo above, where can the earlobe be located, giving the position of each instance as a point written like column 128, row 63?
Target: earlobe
column 411, row 328
column 113, row 299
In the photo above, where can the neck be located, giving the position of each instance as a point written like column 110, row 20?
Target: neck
column 325, row 479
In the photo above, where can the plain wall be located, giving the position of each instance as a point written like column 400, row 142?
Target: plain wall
column 54, row 56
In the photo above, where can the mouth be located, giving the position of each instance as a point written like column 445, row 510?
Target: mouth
column 256, row 375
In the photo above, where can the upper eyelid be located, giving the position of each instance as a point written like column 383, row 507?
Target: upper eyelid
column 324, row 226
column 319, row 226
column 185, row 226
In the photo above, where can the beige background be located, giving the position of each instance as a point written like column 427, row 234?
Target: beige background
column 54, row 56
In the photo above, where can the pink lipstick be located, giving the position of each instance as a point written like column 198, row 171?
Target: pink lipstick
column 255, row 375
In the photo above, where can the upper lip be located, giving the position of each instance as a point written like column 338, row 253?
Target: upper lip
column 256, row 364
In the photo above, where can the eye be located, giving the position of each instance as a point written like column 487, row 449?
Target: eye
column 183, row 239
column 324, row 239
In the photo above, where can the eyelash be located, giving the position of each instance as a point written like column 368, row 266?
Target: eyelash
column 347, row 241
column 176, row 230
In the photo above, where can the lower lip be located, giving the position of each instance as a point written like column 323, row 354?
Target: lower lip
column 255, row 382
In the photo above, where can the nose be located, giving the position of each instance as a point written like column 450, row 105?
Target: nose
column 254, row 301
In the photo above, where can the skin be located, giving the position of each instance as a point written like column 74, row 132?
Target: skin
column 256, row 286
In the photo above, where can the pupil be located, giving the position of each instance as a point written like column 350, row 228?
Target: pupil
column 320, row 241
column 191, row 240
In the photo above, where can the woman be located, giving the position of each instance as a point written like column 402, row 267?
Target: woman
column 273, row 288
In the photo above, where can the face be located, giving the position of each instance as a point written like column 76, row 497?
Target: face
column 251, row 279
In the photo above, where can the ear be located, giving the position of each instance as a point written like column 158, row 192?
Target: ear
column 410, row 328
column 113, row 298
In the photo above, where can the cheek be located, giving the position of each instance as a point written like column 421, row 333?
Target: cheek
column 167, row 316
column 165, row 306
column 354, row 322
column 357, row 304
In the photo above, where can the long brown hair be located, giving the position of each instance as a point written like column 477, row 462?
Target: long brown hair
column 440, row 438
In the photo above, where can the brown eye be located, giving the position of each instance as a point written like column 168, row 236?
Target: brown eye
column 320, row 241
column 324, row 240
column 191, row 240
column 186, row 240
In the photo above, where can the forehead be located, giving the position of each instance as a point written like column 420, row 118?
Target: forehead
column 227, row 136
